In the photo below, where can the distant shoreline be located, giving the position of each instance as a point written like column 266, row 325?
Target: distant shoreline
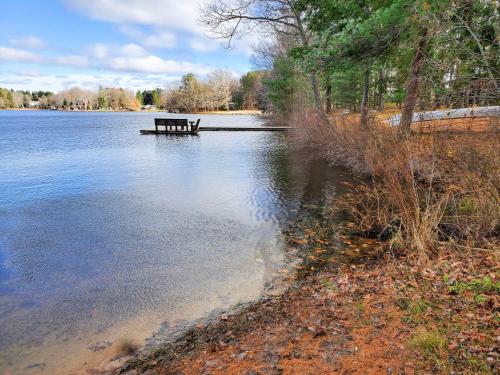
column 235, row 112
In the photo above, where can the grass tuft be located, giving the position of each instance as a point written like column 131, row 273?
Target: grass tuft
column 429, row 343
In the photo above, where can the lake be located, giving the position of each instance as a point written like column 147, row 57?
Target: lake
column 107, row 235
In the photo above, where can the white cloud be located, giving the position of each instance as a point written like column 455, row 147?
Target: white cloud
column 174, row 14
column 14, row 54
column 166, row 19
column 14, row 81
column 132, row 50
column 154, row 64
column 99, row 51
column 57, row 82
column 203, row 44
column 134, row 58
column 27, row 42
column 131, row 31
column 29, row 73
column 161, row 40
column 76, row 61
column 129, row 58
column 245, row 43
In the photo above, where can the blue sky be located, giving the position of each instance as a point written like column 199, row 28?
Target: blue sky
column 57, row 44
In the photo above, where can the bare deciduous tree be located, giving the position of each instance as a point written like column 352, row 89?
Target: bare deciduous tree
column 223, row 84
column 228, row 19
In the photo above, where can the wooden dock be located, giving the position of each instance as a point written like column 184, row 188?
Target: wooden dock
column 226, row 128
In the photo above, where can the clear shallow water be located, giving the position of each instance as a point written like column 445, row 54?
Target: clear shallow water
column 105, row 234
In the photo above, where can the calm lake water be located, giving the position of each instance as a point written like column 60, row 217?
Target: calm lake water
column 106, row 234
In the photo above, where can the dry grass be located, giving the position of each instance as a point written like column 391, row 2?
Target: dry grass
column 471, row 124
column 432, row 187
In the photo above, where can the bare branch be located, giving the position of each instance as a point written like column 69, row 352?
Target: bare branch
column 228, row 19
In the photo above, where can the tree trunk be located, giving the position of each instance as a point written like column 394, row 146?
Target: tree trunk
column 312, row 76
column 364, row 101
column 381, row 90
column 315, row 89
column 328, row 107
column 413, row 84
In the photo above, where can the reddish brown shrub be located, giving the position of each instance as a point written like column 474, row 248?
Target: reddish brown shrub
column 418, row 191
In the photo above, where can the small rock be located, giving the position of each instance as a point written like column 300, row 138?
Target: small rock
column 40, row 366
column 223, row 317
column 100, row 345
column 241, row 356
column 117, row 357
column 319, row 332
column 211, row 363
column 490, row 360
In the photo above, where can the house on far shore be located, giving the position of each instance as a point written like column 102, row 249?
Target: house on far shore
column 149, row 107
column 34, row 104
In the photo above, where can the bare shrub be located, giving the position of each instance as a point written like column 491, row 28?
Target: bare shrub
column 339, row 140
column 418, row 191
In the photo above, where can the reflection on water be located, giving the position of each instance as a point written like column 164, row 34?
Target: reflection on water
column 105, row 234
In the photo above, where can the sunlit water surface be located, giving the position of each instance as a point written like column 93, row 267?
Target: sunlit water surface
column 106, row 234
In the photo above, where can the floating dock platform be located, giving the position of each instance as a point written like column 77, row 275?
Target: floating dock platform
column 224, row 128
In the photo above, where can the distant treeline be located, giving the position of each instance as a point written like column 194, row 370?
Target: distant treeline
column 22, row 99
column 70, row 99
column 219, row 90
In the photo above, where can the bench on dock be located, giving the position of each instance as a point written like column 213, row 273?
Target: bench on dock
column 180, row 126
column 177, row 125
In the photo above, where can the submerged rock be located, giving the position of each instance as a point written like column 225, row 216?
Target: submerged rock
column 100, row 345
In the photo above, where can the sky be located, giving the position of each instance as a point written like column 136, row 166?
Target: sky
column 137, row 44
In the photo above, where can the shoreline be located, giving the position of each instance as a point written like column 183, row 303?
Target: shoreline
column 217, row 343
column 349, row 306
